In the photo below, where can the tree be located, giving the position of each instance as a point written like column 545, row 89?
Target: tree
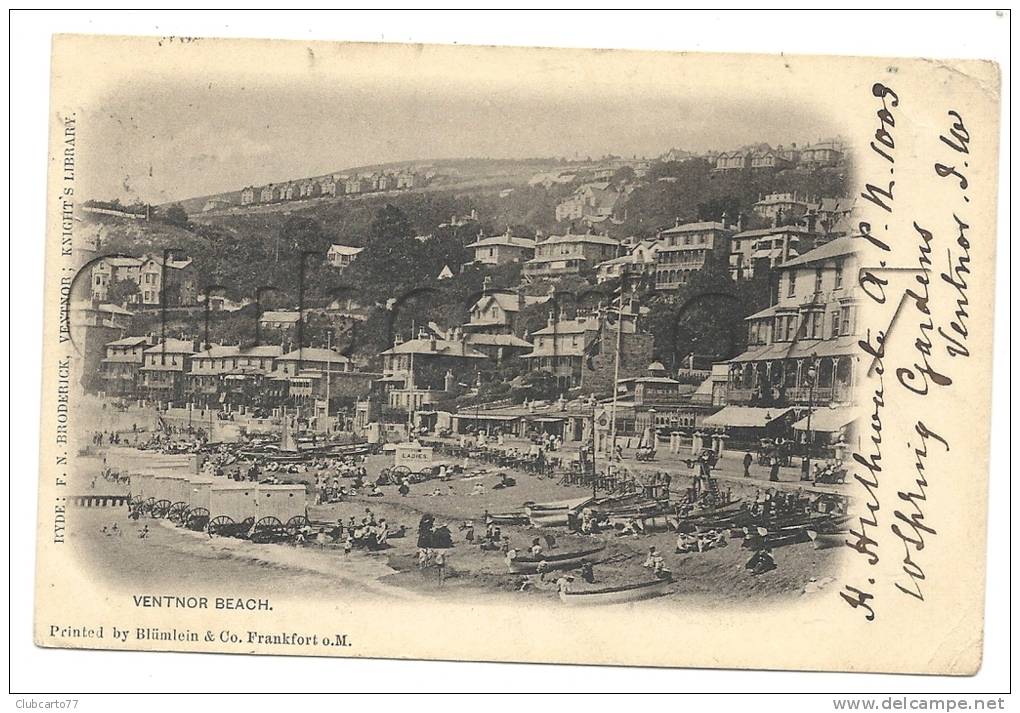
column 121, row 291
column 175, row 215
column 390, row 223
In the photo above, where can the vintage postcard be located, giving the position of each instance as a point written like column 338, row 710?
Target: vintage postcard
column 510, row 354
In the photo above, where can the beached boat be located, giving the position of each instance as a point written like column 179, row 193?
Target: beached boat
column 616, row 595
column 507, row 518
column 528, row 564
column 554, row 514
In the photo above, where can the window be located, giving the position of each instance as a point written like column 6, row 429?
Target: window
column 835, row 324
column 846, row 321
column 818, row 279
column 839, row 274
column 792, row 285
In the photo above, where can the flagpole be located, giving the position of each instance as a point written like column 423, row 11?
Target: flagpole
column 616, row 375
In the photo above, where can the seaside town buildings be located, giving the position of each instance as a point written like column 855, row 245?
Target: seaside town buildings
column 570, row 254
column 801, row 242
column 147, row 273
column 802, row 351
column 340, row 257
column 501, row 249
column 688, row 248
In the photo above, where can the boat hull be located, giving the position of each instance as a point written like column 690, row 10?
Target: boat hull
column 530, row 565
column 616, row 595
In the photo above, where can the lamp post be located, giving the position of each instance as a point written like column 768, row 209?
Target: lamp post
column 812, row 374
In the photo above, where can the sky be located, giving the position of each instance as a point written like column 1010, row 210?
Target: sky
column 167, row 138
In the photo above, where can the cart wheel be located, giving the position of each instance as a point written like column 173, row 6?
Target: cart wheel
column 245, row 527
column 160, row 508
column 296, row 523
column 268, row 523
column 147, row 505
column 401, row 471
column 178, row 512
column 196, row 519
column 219, row 524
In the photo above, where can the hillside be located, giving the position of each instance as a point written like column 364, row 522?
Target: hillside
column 410, row 236
column 451, row 174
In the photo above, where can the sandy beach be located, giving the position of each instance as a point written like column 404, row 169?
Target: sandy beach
column 170, row 555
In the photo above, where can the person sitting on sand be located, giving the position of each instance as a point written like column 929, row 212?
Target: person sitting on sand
column 144, row 533
column 403, row 489
column 536, row 547
column 686, row 542
column 375, row 492
column 652, row 558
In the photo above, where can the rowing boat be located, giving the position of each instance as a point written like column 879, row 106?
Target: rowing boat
column 507, row 518
column 616, row 595
column 529, row 564
column 554, row 514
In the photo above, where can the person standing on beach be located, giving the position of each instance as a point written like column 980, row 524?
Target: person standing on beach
column 774, row 470
column 440, row 560
column 747, row 464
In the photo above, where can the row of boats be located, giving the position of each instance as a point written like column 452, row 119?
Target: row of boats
column 760, row 526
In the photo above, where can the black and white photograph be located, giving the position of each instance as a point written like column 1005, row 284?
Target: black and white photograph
column 516, row 354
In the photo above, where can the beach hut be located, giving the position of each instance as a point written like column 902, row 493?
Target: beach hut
column 281, row 505
column 170, row 491
column 231, row 507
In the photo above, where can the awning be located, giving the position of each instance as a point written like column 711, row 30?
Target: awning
column 828, row 420
column 488, row 416
column 745, row 416
column 548, row 419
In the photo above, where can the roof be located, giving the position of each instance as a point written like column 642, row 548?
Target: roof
column 570, row 326
column 836, row 248
column 840, row 346
column 649, row 380
column 279, row 316
column 775, row 230
column 262, row 350
column 505, row 240
column 828, row 420
column 780, row 198
column 767, row 312
column 122, row 261
column 497, row 340
column 174, row 264
column 216, row 351
column 127, row 342
column 314, row 354
column 691, row 227
column 580, row 238
column 745, row 416
column 173, row 346
column 344, row 250
column 508, row 301
column 443, row 347
column 585, row 324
